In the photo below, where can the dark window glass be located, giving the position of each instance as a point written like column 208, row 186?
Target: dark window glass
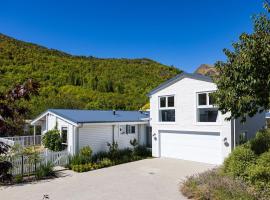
column 207, row 114
column 202, row 99
column 167, row 115
column 171, row 101
column 162, row 102
column 132, row 129
column 64, row 135
column 211, row 99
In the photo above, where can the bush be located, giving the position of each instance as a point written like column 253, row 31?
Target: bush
column 78, row 160
column 213, row 185
column 86, row 152
column 52, row 140
column 18, row 179
column 142, row 151
column 106, row 162
column 45, row 171
column 238, row 162
column 99, row 156
column 261, row 143
column 259, row 173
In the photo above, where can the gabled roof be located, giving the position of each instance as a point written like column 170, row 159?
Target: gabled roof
column 99, row 116
column 178, row 78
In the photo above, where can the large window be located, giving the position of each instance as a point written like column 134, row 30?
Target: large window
column 206, row 111
column 64, row 132
column 167, row 109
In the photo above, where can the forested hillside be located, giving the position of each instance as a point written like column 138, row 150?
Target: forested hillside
column 76, row 81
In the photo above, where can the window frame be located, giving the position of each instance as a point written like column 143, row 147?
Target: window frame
column 66, row 128
column 211, row 106
column 166, row 108
column 129, row 129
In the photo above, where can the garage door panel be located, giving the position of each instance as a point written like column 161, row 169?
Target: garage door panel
column 201, row 147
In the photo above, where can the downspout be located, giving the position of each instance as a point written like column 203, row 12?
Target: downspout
column 113, row 133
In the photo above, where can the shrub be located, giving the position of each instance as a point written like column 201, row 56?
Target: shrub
column 106, row 162
column 52, row 140
column 238, row 161
column 78, row 160
column 18, row 179
column 142, row 151
column 113, row 150
column 86, row 152
column 261, row 143
column 45, row 170
column 259, row 173
column 99, row 156
column 212, row 185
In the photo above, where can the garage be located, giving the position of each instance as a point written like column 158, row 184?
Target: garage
column 195, row 146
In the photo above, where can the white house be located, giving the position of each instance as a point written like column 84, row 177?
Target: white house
column 95, row 128
column 186, row 125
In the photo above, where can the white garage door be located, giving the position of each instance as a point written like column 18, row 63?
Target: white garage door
column 96, row 137
column 194, row 146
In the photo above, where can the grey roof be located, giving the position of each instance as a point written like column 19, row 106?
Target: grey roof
column 100, row 116
column 178, row 78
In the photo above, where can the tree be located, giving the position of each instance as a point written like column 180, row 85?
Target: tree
column 243, row 81
column 12, row 113
column 52, row 140
column 5, row 166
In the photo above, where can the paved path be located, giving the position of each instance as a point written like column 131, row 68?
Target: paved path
column 150, row 179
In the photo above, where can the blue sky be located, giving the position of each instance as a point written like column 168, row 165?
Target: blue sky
column 182, row 33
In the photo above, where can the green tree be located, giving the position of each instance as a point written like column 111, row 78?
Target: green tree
column 244, row 79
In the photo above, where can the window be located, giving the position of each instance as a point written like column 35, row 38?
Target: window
column 130, row 129
column 206, row 112
column 166, row 109
column 64, row 132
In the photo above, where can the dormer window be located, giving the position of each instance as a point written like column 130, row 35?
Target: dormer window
column 206, row 111
column 166, row 109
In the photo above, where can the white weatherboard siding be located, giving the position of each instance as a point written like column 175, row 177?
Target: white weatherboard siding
column 54, row 121
column 185, row 92
column 195, row 146
column 123, row 139
column 96, row 137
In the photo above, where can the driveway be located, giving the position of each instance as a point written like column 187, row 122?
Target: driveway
column 156, row 179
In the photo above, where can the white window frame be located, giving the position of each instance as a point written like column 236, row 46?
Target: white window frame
column 166, row 108
column 64, row 127
column 129, row 129
column 217, row 122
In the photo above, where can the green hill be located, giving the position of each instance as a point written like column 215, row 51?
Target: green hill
column 69, row 81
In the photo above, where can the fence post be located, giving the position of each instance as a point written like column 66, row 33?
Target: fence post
column 22, row 171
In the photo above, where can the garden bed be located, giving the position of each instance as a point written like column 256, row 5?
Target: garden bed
column 84, row 161
column 245, row 174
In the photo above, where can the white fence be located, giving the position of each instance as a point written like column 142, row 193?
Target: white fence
column 24, row 141
column 28, row 165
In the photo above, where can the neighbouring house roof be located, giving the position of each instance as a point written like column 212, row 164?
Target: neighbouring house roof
column 178, row 78
column 99, row 116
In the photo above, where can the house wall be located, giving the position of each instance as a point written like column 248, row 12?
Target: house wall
column 97, row 136
column 251, row 126
column 186, row 114
column 54, row 121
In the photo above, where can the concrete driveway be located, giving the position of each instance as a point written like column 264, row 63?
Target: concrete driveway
column 142, row 180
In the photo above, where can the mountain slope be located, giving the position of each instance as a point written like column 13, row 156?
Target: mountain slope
column 207, row 70
column 79, row 82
